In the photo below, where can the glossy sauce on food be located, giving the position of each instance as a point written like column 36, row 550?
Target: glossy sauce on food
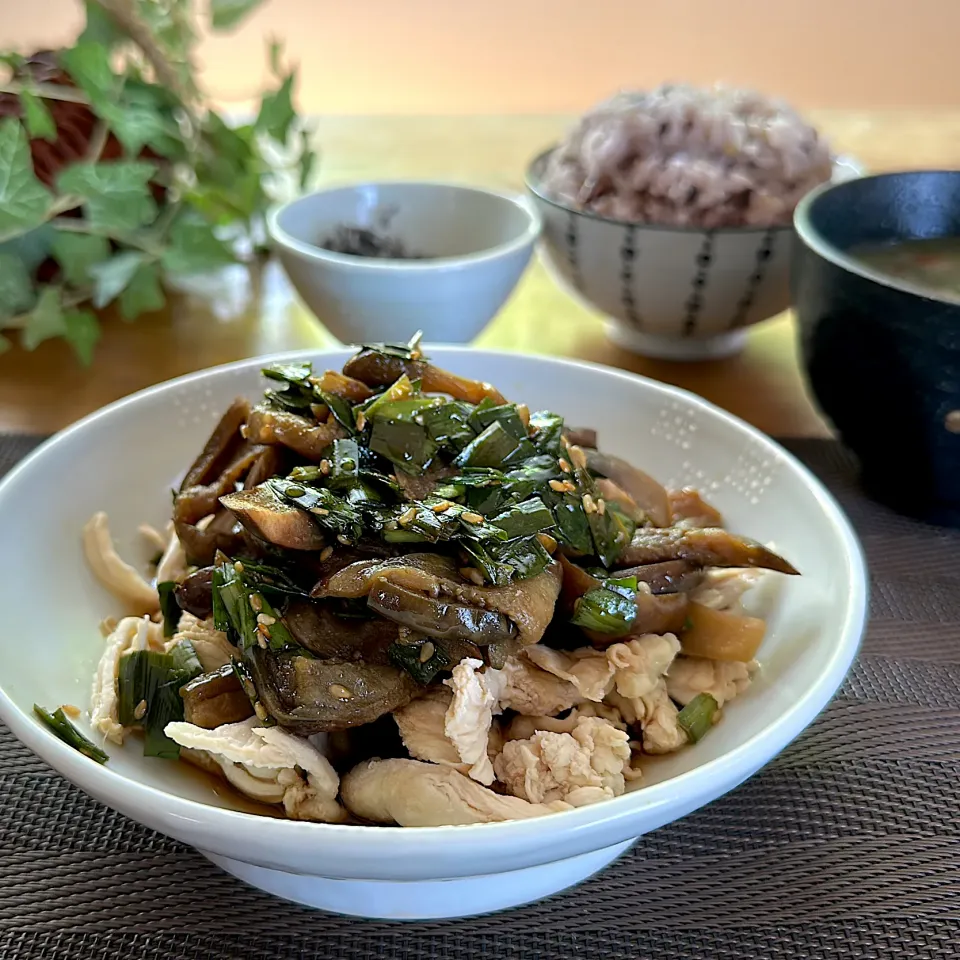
column 932, row 264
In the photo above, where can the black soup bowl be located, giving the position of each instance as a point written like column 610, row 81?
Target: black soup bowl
column 882, row 355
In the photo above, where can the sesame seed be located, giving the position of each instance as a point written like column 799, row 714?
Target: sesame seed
column 266, row 620
column 408, row 517
column 557, row 485
column 326, row 553
column 295, row 491
column 564, row 465
column 418, row 420
column 472, row 574
column 415, row 354
column 261, row 640
column 441, row 506
column 319, row 511
column 548, row 542
column 256, row 602
column 339, row 691
column 238, row 566
column 70, row 710
column 391, row 525
column 427, row 651
column 578, row 457
column 261, row 711
column 343, row 540
column 361, row 420
column 324, row 467
column 588, row 503
column 569, row 487
column 601, row 507
column 471, row 517
column 140, row 711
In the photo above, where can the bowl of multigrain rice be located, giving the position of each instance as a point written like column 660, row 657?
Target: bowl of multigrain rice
column 669, row 211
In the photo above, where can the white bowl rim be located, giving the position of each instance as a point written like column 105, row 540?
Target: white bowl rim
column 176, row 812
column 526, row 238
column 532, row 181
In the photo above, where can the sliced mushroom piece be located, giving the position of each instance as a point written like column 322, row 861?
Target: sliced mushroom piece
column 528, row 604
column 332, row 637
column 688, row 505
column 440, row 618
column 270, row 462
column 195, row 593
column 379, row 370
column 310, row 696
column 649, row 495
column 216, row 698
column 707, row 547
column 306, row 437
column 267, row 515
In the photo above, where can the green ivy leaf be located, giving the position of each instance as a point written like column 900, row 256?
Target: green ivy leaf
column 225, row 14
column 111, row 276
column 82, row 331
column 115, row 196
column 37, row 117
column 194, row 248
column 144, row 116
column 77, row 253
column 16, row 286
column 45, row 320
column 31, row 248
column 276, row 111
column 100, row 28
column 89, row 66
column 143, row 294
column 24, row 200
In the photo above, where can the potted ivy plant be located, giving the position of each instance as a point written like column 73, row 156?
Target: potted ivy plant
column 117, row 175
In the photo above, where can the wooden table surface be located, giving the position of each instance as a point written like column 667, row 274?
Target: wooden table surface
column 243, row 315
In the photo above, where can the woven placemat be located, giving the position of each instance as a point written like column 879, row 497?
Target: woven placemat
column 846, row 846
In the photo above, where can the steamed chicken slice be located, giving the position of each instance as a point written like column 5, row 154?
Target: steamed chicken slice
column 580, row 767
column 415, row 794
column 269, row 765
column 121, row 579
column 722, row 679
column 131, row 633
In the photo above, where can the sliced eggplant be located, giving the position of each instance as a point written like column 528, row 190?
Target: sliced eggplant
column 195, row 593
column 306, row 437
column 216, row 698
column 707, row 547
column 267, row 515
column 671, row 576
column 308, row 696
column 440, row 618
column 319, row 628
column 649, row 495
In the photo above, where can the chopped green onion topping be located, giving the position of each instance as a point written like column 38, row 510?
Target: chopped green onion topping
column 148, row 683
column 606, row 611
column 696, row 718
column 63, row 729
column 422, row 662
column 169, row 607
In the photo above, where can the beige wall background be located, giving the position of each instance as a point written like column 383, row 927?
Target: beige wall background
column 535, row 56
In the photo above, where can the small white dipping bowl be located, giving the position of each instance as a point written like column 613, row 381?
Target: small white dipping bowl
column 475, row 244
column 677, row 293
column 125, row 459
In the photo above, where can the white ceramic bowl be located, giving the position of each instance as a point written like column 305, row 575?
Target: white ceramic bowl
column 126, row 458
column 678, row 293
column 476, row 244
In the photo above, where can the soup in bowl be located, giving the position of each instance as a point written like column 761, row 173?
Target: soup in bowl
column 876, row 288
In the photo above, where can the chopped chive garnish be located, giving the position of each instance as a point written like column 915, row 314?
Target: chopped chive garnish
column 63, row 729
column 169, row 607
column 696, row 718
